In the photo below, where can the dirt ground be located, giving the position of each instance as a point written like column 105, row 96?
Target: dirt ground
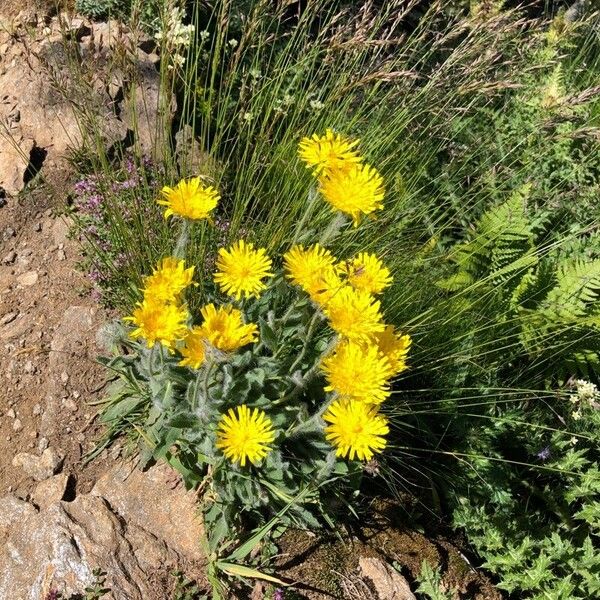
column 47, row 340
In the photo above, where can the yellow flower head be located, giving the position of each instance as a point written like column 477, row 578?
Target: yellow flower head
column 241, row 270
column 329, row 151
column 394, row 347
column 367, row 273
column 314, row 271
column 245, row 436
column 354, row 314
column 355, row 429
column 168, row 280
column 159, row 322
column 189, row 199
column 356, row 191
column 194, row 348
column 224, row 328
column 357, row 371
column 325, row 286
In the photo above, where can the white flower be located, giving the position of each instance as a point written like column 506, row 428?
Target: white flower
column 574, row 440
column 586, row 391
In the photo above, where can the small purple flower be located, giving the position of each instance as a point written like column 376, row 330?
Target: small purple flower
column 94, row 201
column 278, row 595
column 544, row 453
column 95, row 275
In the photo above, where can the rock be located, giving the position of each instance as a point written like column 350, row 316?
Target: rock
column 144, row 112
column 170, row 514
column 39, row 467
column 8, row 318
column 388, row 583
column 11, row 413
column 50, row 491
column 60, row 255
column 13, row 510
column 60, row 230
column 42, row 444
column 28, row 278
column 192, row 159
column 70, row 405
column 15, row 328
column 9, row 258
column 14, row 160
column 60, row 547
column 37, row 410
column 17, row 425
column 8, row 233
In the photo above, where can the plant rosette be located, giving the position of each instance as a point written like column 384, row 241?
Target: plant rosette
column 269, row 400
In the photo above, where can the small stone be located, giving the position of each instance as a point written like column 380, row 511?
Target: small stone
column 8, row 233
column 70, row 405
column 8, row 318
column 64, row 377
column 9, row 258
column 60, row 255
column 75, row 394
column 80, row 438
column 11, row 413
column 38, row 227
column 37, row 410
column 28, row 278
column 39, row 467
column 50, row 491
column 29, row 368
column 17, row 425
column 42, row 444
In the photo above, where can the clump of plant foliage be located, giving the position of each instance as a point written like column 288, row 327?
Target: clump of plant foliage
column 268, row 400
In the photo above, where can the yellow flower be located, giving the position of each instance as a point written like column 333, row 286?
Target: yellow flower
column 314, row 271
column 355, row 429
column 189, row 199
column 356, row 191
column 394, row 347
column 303, row 265
column 241, row 269
column 194, row 348
column 159, row 322
column 354, row 314
column 168, row 280
column 246, row 436
column 367, row 273
column 224, row 328
column 357, row 371
column 329, row 151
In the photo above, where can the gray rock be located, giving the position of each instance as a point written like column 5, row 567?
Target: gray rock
column 39, row 467
column 28, row 278
column 13, row 510
column 9, row 258
column 60, row 547
column 388, row 583
column 8, row 318
column 163, row 510
column 50, row 491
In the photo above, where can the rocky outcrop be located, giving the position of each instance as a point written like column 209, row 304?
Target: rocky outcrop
column 137, row 535
column 67, row 82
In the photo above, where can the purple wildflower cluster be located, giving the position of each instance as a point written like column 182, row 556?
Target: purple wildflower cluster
column 98, row 201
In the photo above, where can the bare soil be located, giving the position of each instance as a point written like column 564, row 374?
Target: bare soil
column 45, row 394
